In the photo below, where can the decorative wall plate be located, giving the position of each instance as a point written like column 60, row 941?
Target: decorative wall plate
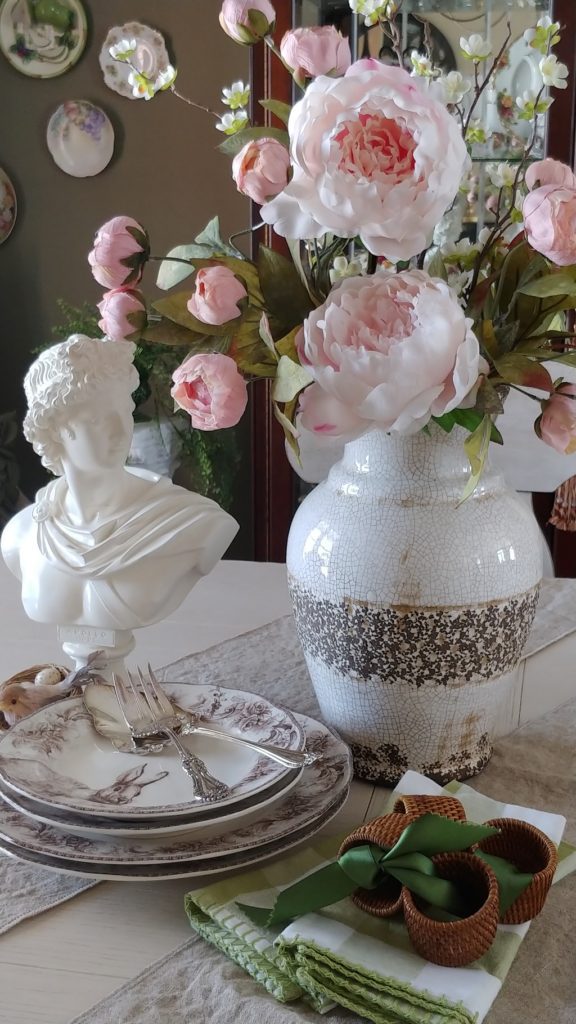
column 8, row 206
column 320, row 793
column 150, row 58
column 42, row 38
column 80, row 138
column 55, row 757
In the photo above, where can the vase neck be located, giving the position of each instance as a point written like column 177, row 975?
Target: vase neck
column 408, row 464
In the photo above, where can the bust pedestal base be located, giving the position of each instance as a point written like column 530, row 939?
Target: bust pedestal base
column 78, row 642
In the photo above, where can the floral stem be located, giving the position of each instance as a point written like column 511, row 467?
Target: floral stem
column 483, row 86
column 523, row 392
column 192, row 103
column 171, row 259
column 372, row 263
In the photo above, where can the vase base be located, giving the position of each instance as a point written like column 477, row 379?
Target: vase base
column 385, row 765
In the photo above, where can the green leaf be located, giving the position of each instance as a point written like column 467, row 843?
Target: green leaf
column 476, row 448
column 251, row 354
column 234, row 143
column 291, row 379
column 286, row 347
column 436, row 266
column 561, row 283
column 168, row 332
column 171, row 273
column 212, row 238
column 265, row 334
column 284, row 294
column 516, row 368
column 468, row 418
column 488, row 398
column 277, row 107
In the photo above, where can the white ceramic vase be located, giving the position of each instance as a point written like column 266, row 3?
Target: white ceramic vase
column 413, row 608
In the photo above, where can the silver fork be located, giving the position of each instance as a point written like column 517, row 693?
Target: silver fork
column 289, row 758
column 145, row 716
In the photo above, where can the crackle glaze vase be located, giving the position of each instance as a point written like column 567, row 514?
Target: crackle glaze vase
column 411, row 606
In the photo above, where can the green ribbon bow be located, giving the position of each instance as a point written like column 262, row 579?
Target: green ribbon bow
column 368, row 865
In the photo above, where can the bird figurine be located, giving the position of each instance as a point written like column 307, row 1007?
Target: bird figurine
column 21, row 696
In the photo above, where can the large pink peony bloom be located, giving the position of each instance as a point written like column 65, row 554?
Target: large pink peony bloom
column 120, row 251
column 557, row 424
column 210, row 388
column 373, row 155
column 389, row 350
column 260, row 169
column 319, row 50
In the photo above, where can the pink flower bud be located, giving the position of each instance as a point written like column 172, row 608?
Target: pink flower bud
column 209, row 387
column 247, row 21
column 121, row 248
column 316, row 51
column 549, row 172
column 261, row 168
column 550, row 221
column 557, row 424
column 123, row 314
column 218, row 292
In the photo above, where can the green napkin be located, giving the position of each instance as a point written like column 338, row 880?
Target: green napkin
column 342, row 956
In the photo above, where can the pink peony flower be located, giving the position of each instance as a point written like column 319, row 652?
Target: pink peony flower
column 550, row 221
column 389, row 350
column 121, row 248
column 373, row 155
column 316, row 51
column 217, row 293
column 247, row 21
column 123, row 314
column 260, row 169
column 557, row 424
column 209, row 387
column 549, row 172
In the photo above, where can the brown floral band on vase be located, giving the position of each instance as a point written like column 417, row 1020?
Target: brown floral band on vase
column 530, row 851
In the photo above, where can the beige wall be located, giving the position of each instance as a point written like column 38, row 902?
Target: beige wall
column 165, row 172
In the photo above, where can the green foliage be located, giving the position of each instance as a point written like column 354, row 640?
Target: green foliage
column 9, row 474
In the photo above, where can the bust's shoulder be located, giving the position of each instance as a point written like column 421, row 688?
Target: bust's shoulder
column 13, row 536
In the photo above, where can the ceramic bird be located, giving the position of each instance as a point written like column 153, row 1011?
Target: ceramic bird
column 19, row 699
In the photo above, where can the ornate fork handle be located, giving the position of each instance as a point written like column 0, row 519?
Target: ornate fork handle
column 207, row 787
column 289, row 758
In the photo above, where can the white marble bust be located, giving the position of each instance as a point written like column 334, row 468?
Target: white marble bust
column 104, row 546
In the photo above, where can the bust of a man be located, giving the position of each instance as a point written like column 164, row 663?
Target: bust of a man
column 104, row 546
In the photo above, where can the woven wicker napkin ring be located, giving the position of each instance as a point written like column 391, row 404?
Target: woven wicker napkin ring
column 386, row 900
column 531, row 851
column 415, row 806
column 456, row 943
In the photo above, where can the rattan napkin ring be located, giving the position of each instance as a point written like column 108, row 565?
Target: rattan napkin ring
column 530, row 850
column 414, row 806
column 386, row 900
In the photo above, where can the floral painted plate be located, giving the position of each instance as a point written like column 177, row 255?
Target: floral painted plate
column 150, row 57
column 42, row 38
column 57, row 759
column 323, row 787
column 80, row 138
column 8, row 206
column 183, row 869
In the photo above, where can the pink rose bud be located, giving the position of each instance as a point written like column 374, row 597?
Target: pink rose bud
column 315, row 51
column 557, row 424
column 549, row 172
column 261, row 168
column 218, row 292
column 123, row 314
column 209, row 387
column 247, row 21
column 121, row 248
column 550, row 221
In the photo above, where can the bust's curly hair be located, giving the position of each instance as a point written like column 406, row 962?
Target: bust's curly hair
column 66, row 375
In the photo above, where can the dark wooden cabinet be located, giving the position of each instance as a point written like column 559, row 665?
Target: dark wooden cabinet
column 275, row 486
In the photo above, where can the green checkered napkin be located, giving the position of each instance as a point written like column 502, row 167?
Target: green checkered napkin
column 342, row 956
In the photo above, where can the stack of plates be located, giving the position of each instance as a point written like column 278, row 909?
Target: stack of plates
column 73, row 803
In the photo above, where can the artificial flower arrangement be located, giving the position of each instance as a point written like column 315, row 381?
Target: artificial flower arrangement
column 366, row 323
